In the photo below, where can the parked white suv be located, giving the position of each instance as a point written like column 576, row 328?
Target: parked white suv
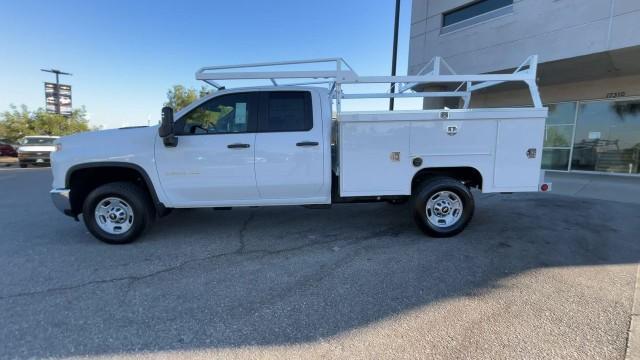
column 268, row 146
column 36, row 150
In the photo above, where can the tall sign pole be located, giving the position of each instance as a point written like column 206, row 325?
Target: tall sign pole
column 56, row 92
column 394, row 57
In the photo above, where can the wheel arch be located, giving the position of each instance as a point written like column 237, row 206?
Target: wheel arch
column 88, row 176
column 469, row 175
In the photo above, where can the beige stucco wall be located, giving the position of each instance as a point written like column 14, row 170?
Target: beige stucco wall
column 585, row 90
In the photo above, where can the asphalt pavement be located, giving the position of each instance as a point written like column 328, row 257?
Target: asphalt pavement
column 533, row 276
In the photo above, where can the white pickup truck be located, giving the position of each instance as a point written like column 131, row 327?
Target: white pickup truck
column 280, row 145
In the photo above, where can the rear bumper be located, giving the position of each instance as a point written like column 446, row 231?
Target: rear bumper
column 60, row 198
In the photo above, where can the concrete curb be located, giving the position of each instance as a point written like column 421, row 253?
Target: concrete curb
column 633, row 341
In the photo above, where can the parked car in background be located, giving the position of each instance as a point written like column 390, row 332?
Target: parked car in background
column 36, row 150
column 6, row 149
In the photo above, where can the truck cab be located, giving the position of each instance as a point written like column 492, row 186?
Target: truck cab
column 249, row 147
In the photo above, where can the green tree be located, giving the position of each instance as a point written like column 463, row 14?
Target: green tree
column 19, row 122
column 179, row 96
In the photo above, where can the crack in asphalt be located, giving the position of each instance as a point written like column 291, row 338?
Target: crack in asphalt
column 240, row 251
column 243, row 230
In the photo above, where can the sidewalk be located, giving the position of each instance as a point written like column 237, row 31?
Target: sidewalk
column 596, row 186
column 606, row 187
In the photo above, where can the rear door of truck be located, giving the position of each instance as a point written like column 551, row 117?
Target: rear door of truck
column 289, row 148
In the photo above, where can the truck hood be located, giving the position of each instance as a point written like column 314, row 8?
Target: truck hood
column 112, row 136
column 126, row 145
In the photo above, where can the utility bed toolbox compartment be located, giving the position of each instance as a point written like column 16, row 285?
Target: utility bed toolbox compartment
column 377, row 150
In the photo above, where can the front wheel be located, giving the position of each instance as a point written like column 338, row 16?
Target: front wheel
column 117, row 213
column 442, row 206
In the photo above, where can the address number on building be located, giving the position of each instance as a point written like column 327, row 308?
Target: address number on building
column 613, row 95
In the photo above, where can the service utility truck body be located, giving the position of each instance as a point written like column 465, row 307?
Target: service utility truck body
column 291, row 144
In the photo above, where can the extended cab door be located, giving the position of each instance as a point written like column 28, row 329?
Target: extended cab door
column 213, row 163
column 290, row 149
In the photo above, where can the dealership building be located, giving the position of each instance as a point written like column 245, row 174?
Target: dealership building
column 588, row 74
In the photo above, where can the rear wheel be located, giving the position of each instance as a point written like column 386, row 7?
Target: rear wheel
column 23, row 165
column 442, row 206
column 117, row 213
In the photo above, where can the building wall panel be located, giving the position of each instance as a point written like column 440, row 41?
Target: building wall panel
column 553, row 29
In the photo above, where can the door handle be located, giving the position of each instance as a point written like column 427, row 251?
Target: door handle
column 238, row 146
column 307, row 143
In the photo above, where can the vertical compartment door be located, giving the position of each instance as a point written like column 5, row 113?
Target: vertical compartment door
column 518, row 154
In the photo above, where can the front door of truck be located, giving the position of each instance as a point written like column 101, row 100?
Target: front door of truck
column 213, row 163
column 289, row 149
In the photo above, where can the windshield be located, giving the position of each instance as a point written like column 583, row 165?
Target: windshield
column 37, row 141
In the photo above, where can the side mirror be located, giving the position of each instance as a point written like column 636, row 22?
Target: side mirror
column 166, row 128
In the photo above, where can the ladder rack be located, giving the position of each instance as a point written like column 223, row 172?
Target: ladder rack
column 336, row 72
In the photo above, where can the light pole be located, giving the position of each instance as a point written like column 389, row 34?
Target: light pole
column 394, row 57
column 56, row 92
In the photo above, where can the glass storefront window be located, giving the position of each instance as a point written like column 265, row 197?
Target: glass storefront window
column 607, row 137
column 558, row 134
column 562, row 113
column 555, row 159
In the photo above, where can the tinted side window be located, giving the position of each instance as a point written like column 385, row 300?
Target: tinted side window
column 288, row 111
column 221, row 115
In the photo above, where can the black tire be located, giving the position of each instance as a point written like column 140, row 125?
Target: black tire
column 139, row 204
column 23, row 165
column 428, row 189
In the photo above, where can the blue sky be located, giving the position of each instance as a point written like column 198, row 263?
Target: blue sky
column 124, row 55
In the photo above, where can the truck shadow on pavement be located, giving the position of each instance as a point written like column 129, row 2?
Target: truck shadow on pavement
column 203, row 279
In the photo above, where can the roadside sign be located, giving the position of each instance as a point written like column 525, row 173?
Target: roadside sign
column 63, row 95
